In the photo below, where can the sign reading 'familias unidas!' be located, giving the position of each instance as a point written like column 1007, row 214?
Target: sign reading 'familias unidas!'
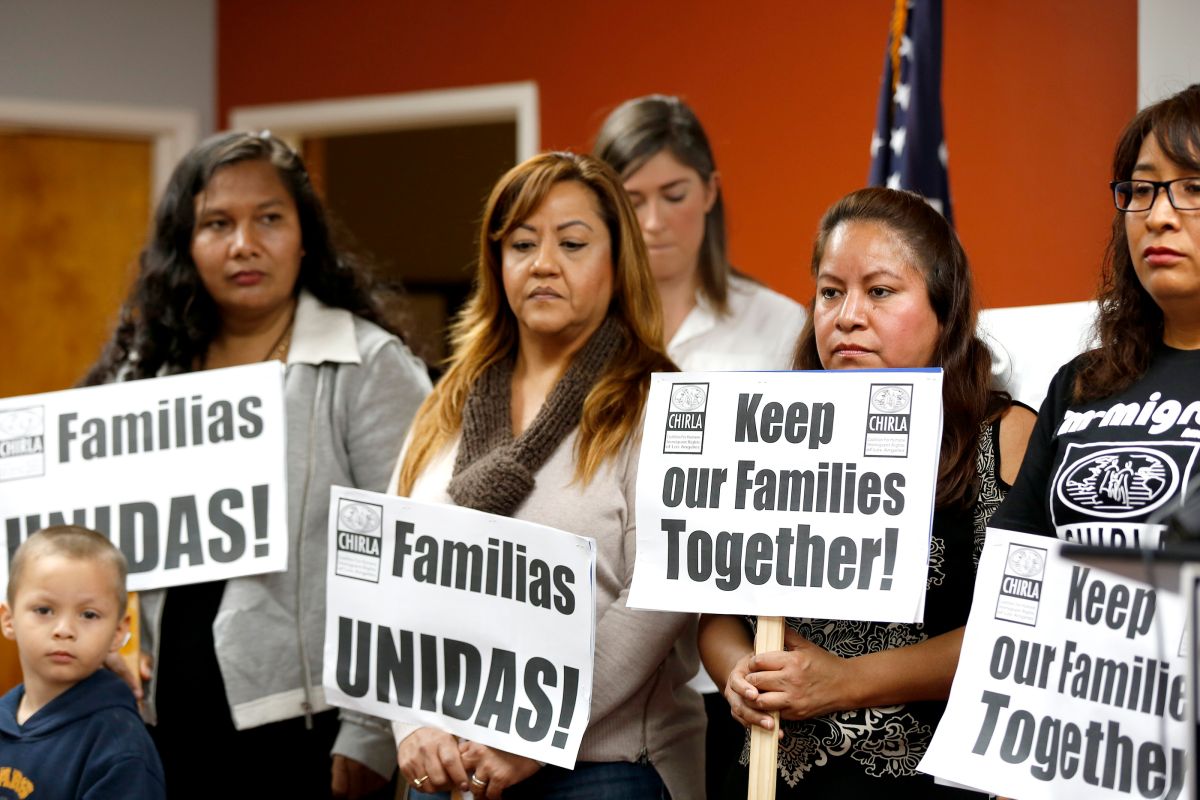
column 186, row 474
column 480, row 625
column 788, row 493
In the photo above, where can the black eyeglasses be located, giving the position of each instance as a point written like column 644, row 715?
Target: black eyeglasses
column 1182, row 193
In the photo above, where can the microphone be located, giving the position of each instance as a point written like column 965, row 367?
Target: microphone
column 1183, row 522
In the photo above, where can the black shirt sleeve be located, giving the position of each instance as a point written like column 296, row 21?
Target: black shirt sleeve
column 1025, row 507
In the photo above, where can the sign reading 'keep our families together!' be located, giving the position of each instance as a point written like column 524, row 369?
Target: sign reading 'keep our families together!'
column 483, row 626
column 1071, row 682
column 788, row 493
column 186, row 474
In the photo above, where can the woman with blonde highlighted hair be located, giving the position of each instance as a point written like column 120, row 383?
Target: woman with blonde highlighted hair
column 538, row 417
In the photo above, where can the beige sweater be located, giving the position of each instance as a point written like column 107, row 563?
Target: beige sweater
column 641, row 705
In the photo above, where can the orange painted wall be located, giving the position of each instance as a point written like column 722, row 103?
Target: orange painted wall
column 1035, row 95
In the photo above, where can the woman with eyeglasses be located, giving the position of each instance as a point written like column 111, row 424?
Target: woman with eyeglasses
column 1116, row 438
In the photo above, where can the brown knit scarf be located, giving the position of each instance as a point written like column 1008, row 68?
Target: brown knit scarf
column 495, row 472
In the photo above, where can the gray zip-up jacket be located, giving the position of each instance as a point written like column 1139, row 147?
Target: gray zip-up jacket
column 351, row 389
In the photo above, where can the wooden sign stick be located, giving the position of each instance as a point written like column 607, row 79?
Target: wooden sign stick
column 131, row 651
column 764, row 745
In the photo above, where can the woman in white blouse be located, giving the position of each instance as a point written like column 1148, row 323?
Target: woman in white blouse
column 714, row 318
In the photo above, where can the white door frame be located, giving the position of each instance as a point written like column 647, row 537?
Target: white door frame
column 172, row 131
column 291, row 122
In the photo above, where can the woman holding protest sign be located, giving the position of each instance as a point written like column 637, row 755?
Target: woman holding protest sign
column 714, row 317
column 241, row 267
column 1112, row 450
column 538, row 418
column 859, row 700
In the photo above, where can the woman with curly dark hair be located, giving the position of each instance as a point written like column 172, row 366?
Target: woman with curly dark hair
column 859, row 700
column 1116, row 438
column 240, row 268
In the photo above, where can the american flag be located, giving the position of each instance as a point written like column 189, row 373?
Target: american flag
column 908, row 149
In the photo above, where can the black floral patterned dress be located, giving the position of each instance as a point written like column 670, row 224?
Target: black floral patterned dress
column 856, row 753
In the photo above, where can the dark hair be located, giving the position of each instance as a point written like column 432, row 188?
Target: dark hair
column 967, row 396
column 1129, row 324
column 169, row 318
column 639, row 129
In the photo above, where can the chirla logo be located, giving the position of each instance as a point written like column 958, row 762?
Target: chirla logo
column 891, row 399
column 685, row 418
column 358, row 517
column 888, row 420
column 689, row 396
column 1026, row 562
column 359, row 540
column 1118, row 482
column 22, row 443
column 1021, row 585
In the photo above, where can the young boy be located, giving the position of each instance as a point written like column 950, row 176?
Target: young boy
column 72, row 729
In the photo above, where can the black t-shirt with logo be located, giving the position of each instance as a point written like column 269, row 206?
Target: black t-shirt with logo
column 1108, row 471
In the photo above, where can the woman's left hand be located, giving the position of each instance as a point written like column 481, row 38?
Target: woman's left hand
column 496, row 768
column 352, row 779
column 120, row 667
column 802, row 681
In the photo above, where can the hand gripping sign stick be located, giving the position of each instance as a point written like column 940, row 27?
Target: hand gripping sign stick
column 764, row 744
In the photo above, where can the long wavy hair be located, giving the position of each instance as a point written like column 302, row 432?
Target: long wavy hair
column 486, row 329
column 967, row 396
column 169, row 318
column 639, row 129
column 1129, row 324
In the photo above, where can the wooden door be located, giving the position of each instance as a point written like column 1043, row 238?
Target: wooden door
column 73, row 213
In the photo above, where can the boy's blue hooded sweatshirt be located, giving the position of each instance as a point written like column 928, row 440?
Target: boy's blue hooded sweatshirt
column 89, row 742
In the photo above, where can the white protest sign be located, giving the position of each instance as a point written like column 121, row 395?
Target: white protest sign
column 186, row 474
column 480, row 625
column 788, row 493
column 1071, row 682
